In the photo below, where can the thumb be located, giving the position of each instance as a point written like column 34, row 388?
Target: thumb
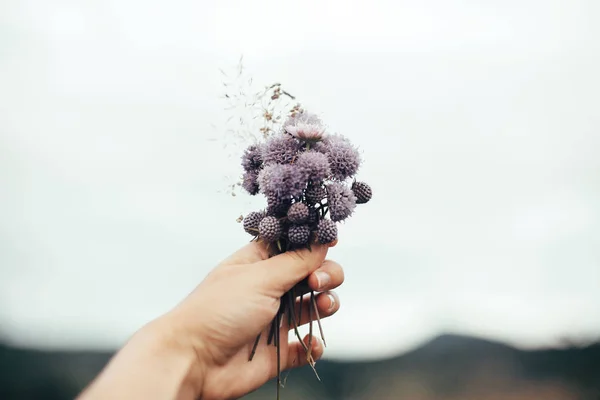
column 285, row 270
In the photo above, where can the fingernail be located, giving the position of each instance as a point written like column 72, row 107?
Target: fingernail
column 323, row 279
column 332, row 301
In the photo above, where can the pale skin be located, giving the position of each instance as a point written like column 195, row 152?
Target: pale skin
column 200, row 349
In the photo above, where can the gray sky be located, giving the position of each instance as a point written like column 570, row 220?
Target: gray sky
column 478, row 123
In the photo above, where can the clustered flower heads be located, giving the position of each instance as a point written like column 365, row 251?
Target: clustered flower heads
column 308, row 178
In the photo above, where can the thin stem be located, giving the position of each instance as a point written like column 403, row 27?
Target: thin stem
column 278, row 344
column 255, row 347
column 310, row 331
column 313, row 302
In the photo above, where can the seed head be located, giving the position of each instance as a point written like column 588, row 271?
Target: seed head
column 298, row 213
column 314, row 194
column 299, row 234
column 341, row 201
column 314, row 165
column 269, row 229
column 280, row 149
column 252, row 221
column 362, row 191
column 283, row 180
column 252, row 159
column 250, row 182
column 326, row 231
column 344, row 158
column 277, row 206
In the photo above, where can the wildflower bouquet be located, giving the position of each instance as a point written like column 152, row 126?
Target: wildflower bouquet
column 308, row 179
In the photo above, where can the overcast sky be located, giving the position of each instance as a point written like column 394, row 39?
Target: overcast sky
column 478, row 123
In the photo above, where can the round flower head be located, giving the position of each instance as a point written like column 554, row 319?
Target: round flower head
column 344, row 159
column 252, row 221
column 299, row 234
column 326, row 231
column 341, row 201
column 362, row 191
column 252, row 158
column 283, row 180
column 270, row 229
column 314, row 194
column 298, row 213
column 305, row 126
column 250, row 182
column 314, row 165
column 280, row 149
column 277, row 206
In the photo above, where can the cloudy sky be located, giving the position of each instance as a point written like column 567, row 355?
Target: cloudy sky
column 478, row 123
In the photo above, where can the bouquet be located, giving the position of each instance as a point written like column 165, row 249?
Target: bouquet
column 308, row 178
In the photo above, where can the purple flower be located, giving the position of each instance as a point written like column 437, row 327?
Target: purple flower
column 344, row 159
column 252, row 159
column 280, row 149
column 282, row 180
column 340, row 200
column 305, row 126
column 314, row 166
column 250, row 182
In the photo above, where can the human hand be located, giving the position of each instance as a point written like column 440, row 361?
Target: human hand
column 237, row 301
column 200, row 349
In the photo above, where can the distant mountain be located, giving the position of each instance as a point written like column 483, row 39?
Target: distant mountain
column 449, row 367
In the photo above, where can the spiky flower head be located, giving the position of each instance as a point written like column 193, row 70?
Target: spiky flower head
column 299, row 234
column 252, row 158
column 341, row 201
column 298, row 213
column 283, row 180
column 315, row 194
column 344, row 158
column 326, row 231
column 305, row 126
column 280, row 149
column 362, row 191
column 252, row 221
column 270, row 229
column 250, row 182
column 314, row 165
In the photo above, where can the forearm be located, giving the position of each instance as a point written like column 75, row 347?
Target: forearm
column 154, row 364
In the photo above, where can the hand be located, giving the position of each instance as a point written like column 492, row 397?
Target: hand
column 200, row 349
column 238, row 300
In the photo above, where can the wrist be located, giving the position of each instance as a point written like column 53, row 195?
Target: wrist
column 170, row 343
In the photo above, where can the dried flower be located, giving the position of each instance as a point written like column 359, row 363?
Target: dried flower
column 341, row 201
column 252, row 158
column 250, row 182
column 314, row 165
column 252, row 221
column 305, row 126
column 282, row 180
column 298, row 213
column 326, row 231
column 277, row 206
column 344, row 158
column 299, row 234
column 280, row 149
column 270, row 229
column 315, row 194
column 362, row 191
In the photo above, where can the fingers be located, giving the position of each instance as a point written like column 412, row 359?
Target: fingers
column 285, row 270
column 328, row 303
column 328, row 276
column 297, row 356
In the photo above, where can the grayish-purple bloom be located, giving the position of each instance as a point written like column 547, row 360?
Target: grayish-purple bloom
column 314, row 165
column 344, row 158
column 280, row 149
column 250, row 182
column 282, row 180
column 341, row 201
column 252, row 158
column 305, row 126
